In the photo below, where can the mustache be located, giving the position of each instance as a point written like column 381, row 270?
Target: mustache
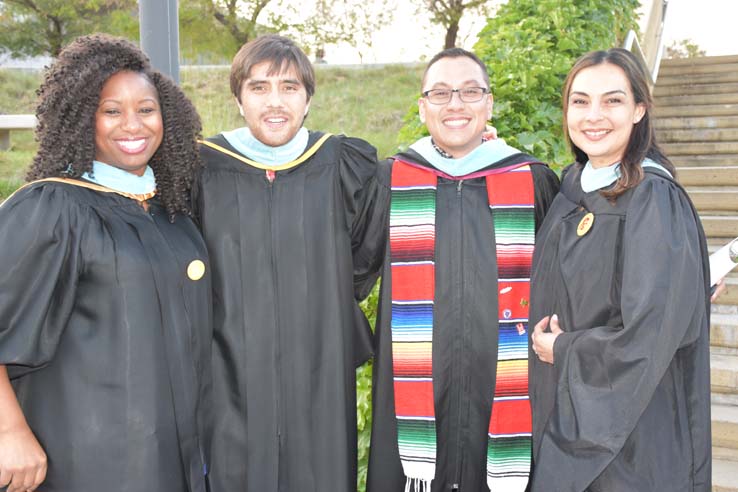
column 275, row 114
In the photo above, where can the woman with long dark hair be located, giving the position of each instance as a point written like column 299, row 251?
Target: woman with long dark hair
column 620, row 384
column 104, row 290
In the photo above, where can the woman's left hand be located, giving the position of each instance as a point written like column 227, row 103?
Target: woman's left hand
column 543, row 341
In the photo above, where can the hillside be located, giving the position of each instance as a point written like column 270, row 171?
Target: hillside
column 367, row 102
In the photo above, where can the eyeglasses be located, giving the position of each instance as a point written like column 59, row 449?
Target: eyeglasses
column 467, row 95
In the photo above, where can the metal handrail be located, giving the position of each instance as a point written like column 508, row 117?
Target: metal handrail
column 631, row 44
column 653, row 44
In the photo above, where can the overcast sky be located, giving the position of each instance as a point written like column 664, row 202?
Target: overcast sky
column 411, row 38
column 709, row 23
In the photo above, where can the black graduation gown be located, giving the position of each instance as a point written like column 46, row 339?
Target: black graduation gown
column 626, row 405
column 288, row 331
column 105, row 337
column 464, row 336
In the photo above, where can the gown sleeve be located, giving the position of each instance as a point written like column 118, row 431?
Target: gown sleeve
column 365, row 185
column 546, row 185
column 607, row 375
column 39, row 275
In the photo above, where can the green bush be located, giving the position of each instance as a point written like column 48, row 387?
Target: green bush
column 529, row 47
column 364, row 393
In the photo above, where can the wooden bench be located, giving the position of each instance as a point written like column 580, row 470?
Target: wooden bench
column 10, row 122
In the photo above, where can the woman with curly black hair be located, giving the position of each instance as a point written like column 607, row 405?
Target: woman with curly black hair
column 105, row 304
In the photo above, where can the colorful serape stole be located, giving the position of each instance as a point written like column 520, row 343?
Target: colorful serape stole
column 412, row 244
column 412, row 258
column 511, row 199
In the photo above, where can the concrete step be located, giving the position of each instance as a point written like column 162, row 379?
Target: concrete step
column 699, row 60
column 697, row 110
column 715, row 200
column 724, row 475
column 709, row 176
column 690, row 79
column 680, row 90
column 696, row 69
column 724, row 469
column 724, row 331
column 698, row 135
column 721, row 309
column 722, row 226
column 680, row 123
column 724, row 370
column 713, row 243
column 729, row 399
column 700, row 148
column 720, row 160
column 696, row 99
column 724, row 426
column 726, row 454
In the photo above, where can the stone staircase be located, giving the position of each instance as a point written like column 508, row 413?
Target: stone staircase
column 697, row 124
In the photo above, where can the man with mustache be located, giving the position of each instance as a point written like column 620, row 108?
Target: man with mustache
column 291, row 222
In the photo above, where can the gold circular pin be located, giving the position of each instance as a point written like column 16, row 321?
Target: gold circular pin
column 585, row 224
column 196, row 269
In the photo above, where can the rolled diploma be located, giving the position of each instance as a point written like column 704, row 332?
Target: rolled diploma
column 723, row 261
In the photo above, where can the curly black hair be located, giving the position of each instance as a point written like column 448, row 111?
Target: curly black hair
column 68, row 101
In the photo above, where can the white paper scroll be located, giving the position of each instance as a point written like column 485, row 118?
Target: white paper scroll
column 723, row 261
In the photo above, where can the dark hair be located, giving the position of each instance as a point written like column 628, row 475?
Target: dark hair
column 68, row 101
column 281, row 52
column 642, row 141
column 456, row 53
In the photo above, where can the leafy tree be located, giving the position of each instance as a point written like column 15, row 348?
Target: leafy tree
column 529, row 47
column 327, row 22
column 202, row 39
column 685, row 48
column 240, row 18
column 314, row 23
column 448, row 13
column 43, row 27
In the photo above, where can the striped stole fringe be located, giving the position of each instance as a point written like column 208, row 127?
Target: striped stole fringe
column 412, row 258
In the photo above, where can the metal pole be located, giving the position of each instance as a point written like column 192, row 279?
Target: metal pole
column 159, row 31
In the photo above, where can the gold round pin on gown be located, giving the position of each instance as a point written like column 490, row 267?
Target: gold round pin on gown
column 196, row 269
column 585, row 224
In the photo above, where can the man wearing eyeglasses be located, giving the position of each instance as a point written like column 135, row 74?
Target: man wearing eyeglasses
column 451, row 409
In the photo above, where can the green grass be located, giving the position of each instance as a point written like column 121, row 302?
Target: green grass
column 17, row 96
column 18, row 90
column 368, row 103
column 15, row 160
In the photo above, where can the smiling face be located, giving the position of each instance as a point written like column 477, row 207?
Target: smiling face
column 273, row 106
column 128, row 122
column 601, row 112
column 456, row 127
